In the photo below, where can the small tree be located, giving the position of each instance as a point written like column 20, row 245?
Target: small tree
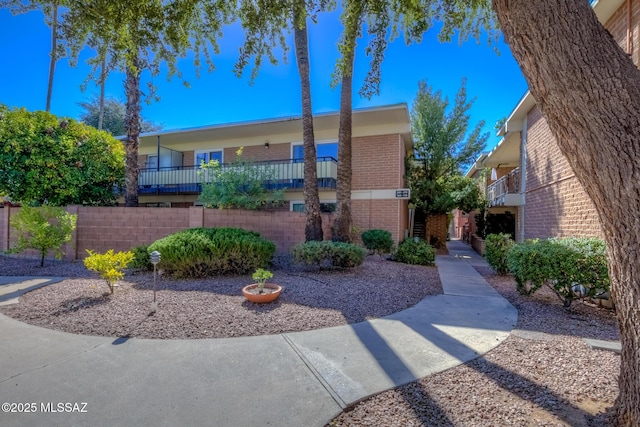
column 443, row 147
column 114, row 115
column 109, row 265
column 240, row 184
column 43, row 229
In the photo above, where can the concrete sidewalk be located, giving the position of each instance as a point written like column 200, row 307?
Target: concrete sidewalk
column 294, row 379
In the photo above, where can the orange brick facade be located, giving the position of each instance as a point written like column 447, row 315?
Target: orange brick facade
column 378, row 163
column 556, row 203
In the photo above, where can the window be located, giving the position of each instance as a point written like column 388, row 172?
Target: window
column 323, row 149
column 207, row 156
column 152, row 162
column 326, row 207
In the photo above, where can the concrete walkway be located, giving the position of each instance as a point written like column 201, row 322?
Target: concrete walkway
column 294, row 379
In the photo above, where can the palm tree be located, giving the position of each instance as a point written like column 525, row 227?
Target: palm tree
column 313, row 225
column 352, row 20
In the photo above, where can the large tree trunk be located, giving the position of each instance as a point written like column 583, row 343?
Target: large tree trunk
column 313, row 225
column 342, row 224
column 589, row 91
column 132, row 89
column 54, row 53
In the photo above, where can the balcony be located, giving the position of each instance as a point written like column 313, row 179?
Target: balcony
column 287, row 174
column 506, row 190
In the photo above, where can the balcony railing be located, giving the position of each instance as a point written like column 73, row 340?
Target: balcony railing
column 506, row 190
column 284, row 174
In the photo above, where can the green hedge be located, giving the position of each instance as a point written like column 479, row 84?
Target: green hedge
column 328, row 254
column 378, row 241
column 497, row 249
column 572, row 267
column 412, row 252
column 141, row 258
column 203, row 252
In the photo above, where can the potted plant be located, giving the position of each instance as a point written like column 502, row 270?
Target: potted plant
column 260, row 291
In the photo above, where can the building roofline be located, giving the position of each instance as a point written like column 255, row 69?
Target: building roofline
column 402, row 105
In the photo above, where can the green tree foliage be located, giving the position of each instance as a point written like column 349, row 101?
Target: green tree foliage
column 114, row 112
column 241, row 184
column 59, row 162
column 109, row 265
column 43, row 229
column 384, row 20
column 444, row 145
column 144, row 35
column 265, row 25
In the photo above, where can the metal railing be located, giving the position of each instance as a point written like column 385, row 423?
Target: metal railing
column 283, row 174
column 508, row 184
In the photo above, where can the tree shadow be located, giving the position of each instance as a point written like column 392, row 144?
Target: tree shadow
column 426, row 409
column 80, row 303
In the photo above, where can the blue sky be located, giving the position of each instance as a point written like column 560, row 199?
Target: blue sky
column 220, row 97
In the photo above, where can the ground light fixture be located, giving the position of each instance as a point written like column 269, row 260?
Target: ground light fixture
column 155, row 259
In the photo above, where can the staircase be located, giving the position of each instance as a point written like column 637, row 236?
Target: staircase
column 419, row 224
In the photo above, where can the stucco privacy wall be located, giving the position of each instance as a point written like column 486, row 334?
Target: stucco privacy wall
column 557, row 205
column 121, row 228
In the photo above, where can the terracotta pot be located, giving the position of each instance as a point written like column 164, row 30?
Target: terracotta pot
column 272, row 292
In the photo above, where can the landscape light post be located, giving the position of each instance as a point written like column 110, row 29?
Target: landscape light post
column 155, row 259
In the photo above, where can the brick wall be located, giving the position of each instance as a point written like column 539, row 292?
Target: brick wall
column 377, row 162
column 618, row 24
column 284, row 228
column 188, row 158
column 380, row 214
column 256, row 153
column 437, row 227
column 120, row 228
column 556, row 204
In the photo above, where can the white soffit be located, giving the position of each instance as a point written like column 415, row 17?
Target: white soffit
column 388, row 119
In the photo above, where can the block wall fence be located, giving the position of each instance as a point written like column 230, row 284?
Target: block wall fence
column 121, row 228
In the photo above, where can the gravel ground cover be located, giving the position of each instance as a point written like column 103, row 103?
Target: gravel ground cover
column 542, row 375
column 215, row 308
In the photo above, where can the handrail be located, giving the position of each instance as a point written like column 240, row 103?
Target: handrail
column 508, row 184
column 288, row 173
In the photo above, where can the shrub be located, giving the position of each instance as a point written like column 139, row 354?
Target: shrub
column 415, row 252
column 378, row 241
column 141, row 258
column 240, row 184
column 203, row 252
column 498, row 246
column 57, row 161
column 572, row 267
column 109, row 265
column 43, row 229
column 329, row 254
